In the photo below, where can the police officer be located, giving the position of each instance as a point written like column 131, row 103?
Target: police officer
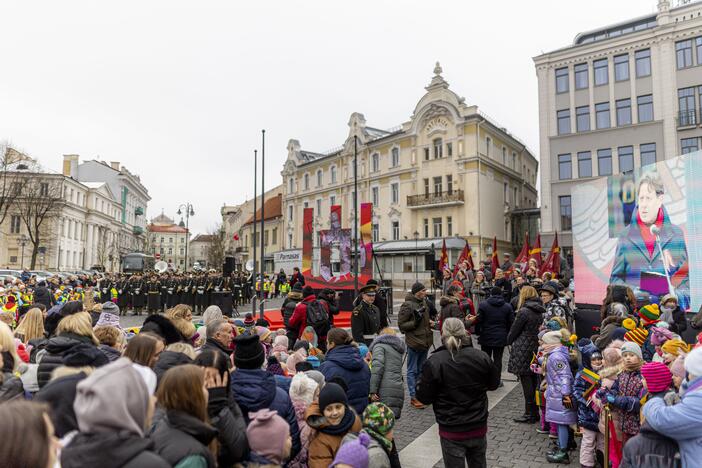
column 365, row 318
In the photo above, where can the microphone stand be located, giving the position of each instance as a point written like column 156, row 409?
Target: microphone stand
column 665, row 266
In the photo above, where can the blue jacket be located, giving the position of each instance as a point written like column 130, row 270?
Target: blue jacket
column 255, row 389
column 345, row 361
column 681, row 422
column 587, row 417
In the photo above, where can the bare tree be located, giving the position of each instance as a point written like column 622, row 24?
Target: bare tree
column 38, row 202
column 107, row 248
column 9, row 160
column 216, row 247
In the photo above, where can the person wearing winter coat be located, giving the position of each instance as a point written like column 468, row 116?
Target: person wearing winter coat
column 270, row 440
column 303, row 391
column 588, row 419
column 495, row 318
column 672, row 314
column 42, row 295
column 378, row 422
column 682, row 422
column 254, row 388
column 223, row 412
column 386, row 383
column 113, row 408
column 560, row 404
column 27, row 435
column 332, row 418
column 523, row 337
column 610, row 324
column 450, row 306
column 298, row 321
column 287, row 310
column 344, row 360
column 60, row 394
column 479, row 288
column 455, row 381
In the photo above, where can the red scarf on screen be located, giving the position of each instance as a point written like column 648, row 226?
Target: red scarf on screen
column 648, row 238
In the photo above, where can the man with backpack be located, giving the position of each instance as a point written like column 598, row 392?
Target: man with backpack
column 311, row 312
column 365, row 318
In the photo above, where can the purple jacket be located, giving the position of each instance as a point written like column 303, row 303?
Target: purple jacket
column 559, row 379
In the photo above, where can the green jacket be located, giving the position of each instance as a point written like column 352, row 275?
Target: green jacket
column 416, row 327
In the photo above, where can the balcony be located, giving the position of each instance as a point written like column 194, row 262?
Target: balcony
column 241, row 249
column 138, row 230
column 435, row 199
column 687, row 118
column 138, row 211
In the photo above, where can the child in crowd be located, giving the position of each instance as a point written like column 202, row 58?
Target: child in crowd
column 673, row 348
column 269, row 439
column 586, row 383
column 302, row 392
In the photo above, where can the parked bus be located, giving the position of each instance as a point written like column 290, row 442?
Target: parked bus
column 137, row 263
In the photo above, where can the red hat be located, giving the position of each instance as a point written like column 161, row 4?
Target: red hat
column 11, row 298
column 657, row 375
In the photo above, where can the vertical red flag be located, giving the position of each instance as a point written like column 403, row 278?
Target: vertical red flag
column 535, row 252
column 443, row 262
column 495, row 261
column 466, row 256
column 523, row 256
column 553, row 261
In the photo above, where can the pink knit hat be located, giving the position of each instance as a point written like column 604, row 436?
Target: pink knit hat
column 657, row 375
column 660, row 336
column 677, row 367
column 266, row 434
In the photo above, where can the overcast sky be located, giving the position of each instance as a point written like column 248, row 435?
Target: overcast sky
column 179, row 91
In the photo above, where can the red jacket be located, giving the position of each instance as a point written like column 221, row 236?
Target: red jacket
column 299, row 317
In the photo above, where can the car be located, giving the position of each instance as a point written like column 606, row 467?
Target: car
column 16, row 273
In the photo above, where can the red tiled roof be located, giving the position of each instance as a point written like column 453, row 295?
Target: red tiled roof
column 273, row 209
column 174, row 228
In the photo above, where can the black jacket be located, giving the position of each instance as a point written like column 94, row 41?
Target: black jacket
column 226, row 416
column 42, row 295
column 457, row 387
column 111, row 450
column 650, row 449
column 287, row 310
column 59, row 394
column 178, row 435
column 524, row 336
column 214, row 345
column 495, row 318
column 56, row 348
column 168, row 359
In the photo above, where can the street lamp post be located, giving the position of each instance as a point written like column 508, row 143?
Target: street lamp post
column 188, row 207
column 416, row 248
column 22, row 241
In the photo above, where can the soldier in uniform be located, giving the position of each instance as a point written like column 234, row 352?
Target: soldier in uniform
column 123, row 294
column 365, row 318
column 172, row 296
column 137, row 293
column 154, row 295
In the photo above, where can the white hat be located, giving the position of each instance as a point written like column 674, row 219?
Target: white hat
column 552, row 337
column 148, row 375
column 693, row 362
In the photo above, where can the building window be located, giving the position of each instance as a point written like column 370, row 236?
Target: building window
column 375, row 162
column 698, row 44
column 290, row 237
column 449, row 184
column 395, row 230
column 566, row 214
column 626, row 159
column 318, row 204
column 291, row 185
column 426, row 228
column 688, row 145
column 320, row 177
column 449, row 226
column 643, row 63
column 601, row 72
column 565, row 169
column 438, row 185
column 687, row 114
column 584, row 164
column 602, row 115
column 648, row 154
column 426, row 154
column 515, row 197
column 514, row 160
column 374, row 232
column 44, row 189
column 332, row 200
column 562, row 80
column 170, row 250
column 170, row 240
column 395, row 193
column 438, row 148
column 580, row 70
column 645, row 108
column 290, row 212
column 274, row 241
column 437, row 227
column 621, row 67
column 333, row 174
column 488, row 145
column 374, row 196
column 683, row 53
column 582, row 118
column 162, row 240
column 504, row 156
column 563, row 117
column 426, row 187
column 14, row 224
column 395, row 156
column 307, row 181
column 305, row 205
column 449, row 149
column 623, row 112
column 505, row 190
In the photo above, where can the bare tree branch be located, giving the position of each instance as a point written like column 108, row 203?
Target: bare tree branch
column 215, row 249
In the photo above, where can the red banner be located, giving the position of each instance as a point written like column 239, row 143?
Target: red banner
column 495, row 260
column 553, row 261
column 307, row 232
column 467, row 257
column 535, row 252
column 523, row 256
column 366, row 241
column 443, row 262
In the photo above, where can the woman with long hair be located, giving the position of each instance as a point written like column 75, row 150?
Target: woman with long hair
column 479, row 288
column 11, row 386
column 181, row 432
column 455, row 380
column 27, row 435
column 31, row 326
column 524, row 340
column 144, row 349
column 344, row 360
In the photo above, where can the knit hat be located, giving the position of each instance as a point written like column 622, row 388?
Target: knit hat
column 612, row 354
column 657, row 375
column 263, row 333
column 110, row 308
column 353, row 453
column 313, row 361
column 307, row 291
column 649, row 314
column 693, row 362
column 302, row 388
column 630, row 347
column 637, row 335
column 332, row 393
column 379, row 418
column 629, row 324
column 553, row 325
column 317, row 377
column 552, row 337
column 362, row 350
column 248, row 353
column 660, row 335
column 542, row 333
column 416, row 287
column 618, row 333
column 297, row 287
column 675, row 347
column 496, row 291
column 281, row 340
column 249, row 320
column 274, row 366
column 266, row 434
column 84, row 355
column 301, row 344
column 108, row 319
column 677, row 367
column 669, row 297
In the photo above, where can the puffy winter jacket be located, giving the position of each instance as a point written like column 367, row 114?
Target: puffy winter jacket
column 457, row 387
column 59, row 394
column 495, row 318
column 449, row 308
column 345, row 361
column 649, row 449
column 169, row 359
column 111, row 450
column 11, row 387
column 179, row 436
column 587, row 417
column 413, row 320
column 226, row 417
column 287, row 310
column 386, row 371
column 559, row 381
column 54, row 352
column 298, row 321
column 523, row 336
column 255, row 389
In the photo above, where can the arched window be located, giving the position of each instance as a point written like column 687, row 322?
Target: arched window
column 320, row 176
column 438, row 148
column 375, row 162
column 307, row 181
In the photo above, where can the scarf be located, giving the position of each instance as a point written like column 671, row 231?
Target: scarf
column 549, row 348
column 344, row 426
column 633, row 368
column 648, row 238
column 381, row 439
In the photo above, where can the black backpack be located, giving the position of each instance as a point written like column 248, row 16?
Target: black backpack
column 317, row 317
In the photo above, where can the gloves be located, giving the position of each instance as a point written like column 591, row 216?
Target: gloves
column 567, row 402
column 610, row 398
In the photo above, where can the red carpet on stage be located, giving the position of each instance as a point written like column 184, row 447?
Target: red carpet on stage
column 275, row 318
